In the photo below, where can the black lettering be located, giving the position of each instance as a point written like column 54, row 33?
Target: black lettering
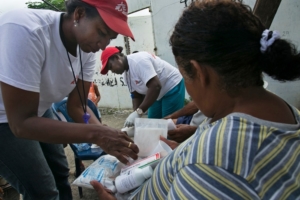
column 122, row 81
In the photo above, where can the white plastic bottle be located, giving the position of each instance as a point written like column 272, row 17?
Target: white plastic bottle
column 130, row 181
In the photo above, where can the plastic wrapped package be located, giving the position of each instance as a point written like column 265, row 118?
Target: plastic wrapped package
column 104, row 170
column 82, row 146
column 147, row 132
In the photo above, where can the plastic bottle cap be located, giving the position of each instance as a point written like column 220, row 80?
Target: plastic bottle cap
column 147, row 171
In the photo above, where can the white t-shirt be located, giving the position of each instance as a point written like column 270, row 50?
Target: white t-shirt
column 143, row 66
column 33, row 57
column 197, row 119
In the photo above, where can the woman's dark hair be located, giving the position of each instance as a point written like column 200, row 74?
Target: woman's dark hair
column 90, row 11
column 225, row 35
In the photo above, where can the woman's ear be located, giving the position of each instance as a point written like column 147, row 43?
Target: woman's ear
column 79, row 13
column 200, row 72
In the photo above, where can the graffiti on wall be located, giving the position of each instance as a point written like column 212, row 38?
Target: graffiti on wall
column 111, row 81
column 186, row 2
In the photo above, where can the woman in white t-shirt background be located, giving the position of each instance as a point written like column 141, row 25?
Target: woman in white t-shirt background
column 154, row 84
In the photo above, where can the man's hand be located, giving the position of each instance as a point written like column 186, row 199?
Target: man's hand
column 181, row 133
column 102, row 192
column 168, row 117
column 118, row 144
column 171, row 143
column 130, row 119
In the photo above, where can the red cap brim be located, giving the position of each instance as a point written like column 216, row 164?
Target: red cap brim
column 116, row 24
column 104, row 69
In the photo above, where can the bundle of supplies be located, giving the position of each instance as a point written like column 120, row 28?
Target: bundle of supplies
column 135, row 178
column 104, row 170
column 141, row 163
column 135, row 174
column 117, row 177
column 123, row 179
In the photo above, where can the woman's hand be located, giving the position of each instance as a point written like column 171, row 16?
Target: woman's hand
column 102, row 192
column 182, row 132
column 171, row 143
column 118, row 144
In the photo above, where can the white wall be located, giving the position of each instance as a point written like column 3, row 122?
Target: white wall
column 136, row 5
column 165, row 13
column 287, row 22
column 164, row 16
column 114, row 92
column 143, row 34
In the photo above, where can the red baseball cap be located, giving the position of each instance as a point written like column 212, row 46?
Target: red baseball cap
column 114, row 13
column 106, row 54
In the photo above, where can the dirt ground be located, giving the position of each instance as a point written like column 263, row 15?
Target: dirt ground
column 114, row 119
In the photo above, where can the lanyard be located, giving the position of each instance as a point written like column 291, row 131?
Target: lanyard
column 86, row 116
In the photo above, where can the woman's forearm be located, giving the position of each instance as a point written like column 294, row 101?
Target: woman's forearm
column 136, row 102
column 152, row 94
column 76, row 113
column 53, row 131
column 150, row 98
column 188, row 109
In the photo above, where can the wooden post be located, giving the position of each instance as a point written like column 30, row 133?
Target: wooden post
column 266, row 10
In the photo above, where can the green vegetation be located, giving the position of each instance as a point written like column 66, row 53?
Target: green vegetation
column 59, row 4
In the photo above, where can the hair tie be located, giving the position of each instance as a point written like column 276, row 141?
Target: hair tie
column 267, row 39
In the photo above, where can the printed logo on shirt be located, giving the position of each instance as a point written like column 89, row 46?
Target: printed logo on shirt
column 137, row 82
column 121, row 7
column 74, row 81
column 152, row 54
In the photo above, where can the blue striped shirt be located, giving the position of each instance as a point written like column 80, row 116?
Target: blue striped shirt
column 236, row 157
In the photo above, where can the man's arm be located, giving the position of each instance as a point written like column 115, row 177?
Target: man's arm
column 188, row 109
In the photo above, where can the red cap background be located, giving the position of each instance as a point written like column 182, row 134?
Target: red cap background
column 114, row 13
column 106, row 54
